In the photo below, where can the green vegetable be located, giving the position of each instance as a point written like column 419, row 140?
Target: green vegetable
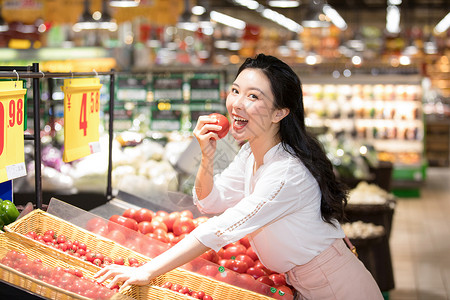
column 8, row 212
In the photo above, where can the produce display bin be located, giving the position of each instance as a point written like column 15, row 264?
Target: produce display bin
column 35, row 250
column 40, row 221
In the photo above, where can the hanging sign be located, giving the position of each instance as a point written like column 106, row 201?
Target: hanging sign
column 12, row 116
column 81, row 117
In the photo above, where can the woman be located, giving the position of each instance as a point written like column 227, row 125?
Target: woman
column 279, row 190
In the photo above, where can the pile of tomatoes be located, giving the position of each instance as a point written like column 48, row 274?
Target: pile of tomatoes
column 79, row 249
column 185, row 290
column 68, row 279
column 239, row 256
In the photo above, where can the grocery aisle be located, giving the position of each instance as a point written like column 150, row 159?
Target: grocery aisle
column 420, row 241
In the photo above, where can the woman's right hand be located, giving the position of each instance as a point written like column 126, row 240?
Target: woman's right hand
column 206, row 133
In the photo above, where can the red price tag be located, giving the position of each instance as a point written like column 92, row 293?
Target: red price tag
column 81, row 117
column 12, row 116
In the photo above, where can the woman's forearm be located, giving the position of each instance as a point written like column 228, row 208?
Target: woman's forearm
column 204, row 180
column 183, row 252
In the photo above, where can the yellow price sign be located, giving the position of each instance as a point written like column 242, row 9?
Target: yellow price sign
column 12, row 116
column 81, row 117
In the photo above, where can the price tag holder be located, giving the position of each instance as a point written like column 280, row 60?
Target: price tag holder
column 81, row 117
column 12, row 117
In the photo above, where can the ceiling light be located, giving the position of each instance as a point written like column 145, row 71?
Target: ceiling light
column 280, row 19
column 393, row 19
column 314, row 17
column 335, row 17
column 227, row 20
column 283, row 3
column 198, row 10
column 124, row 3
column 250, row 4
column 106, row 21
column 443, row 25
column 185, row 20
column 86, row 20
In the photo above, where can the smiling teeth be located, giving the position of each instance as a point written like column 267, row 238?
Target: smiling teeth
column 240, row 119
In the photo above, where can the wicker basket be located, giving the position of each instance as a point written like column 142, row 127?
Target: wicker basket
column 216, row 289
column 36, row 286
column 40, row 221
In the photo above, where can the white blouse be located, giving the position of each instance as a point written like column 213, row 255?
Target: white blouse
column 278, row 207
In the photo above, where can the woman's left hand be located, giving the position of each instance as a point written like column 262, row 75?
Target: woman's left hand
column 125, row 274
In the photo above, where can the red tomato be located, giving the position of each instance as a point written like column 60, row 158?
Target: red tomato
column 51, row 233
column 250, row 252
column 145, row 227
column 117, row 236
column 133, row 260
column 162, row 213
column 101, row 230
column 244, row 241
column 220, row 252
column 107, row 260
column 171, row 218
column 256, row 272
column 167, row 285
column 175, row 287
column 187, row 213
column 210, row 255
column 236, row 265
column 246, row 280
column 160, row 237
column 184, row 290
column 207, row 297
column 48, row 238
column 258, row 264
column 124, row 221
column 244, row 257
column 82, row 246
column 32, row 234
column 95, row 223
column 129, row 213
column 119, row 261
column 231, row 244
column 90, row 256
column 283, row 292
column 143, row 214
column 266, row 280
column 209, row 270
column 78, row 272
column 201, row 294
column 278, row 279
column 183, row 225
column 234, row 251
column 158, row 224
column 221, row 121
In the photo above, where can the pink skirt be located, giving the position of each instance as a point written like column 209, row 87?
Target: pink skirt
column 336, row 273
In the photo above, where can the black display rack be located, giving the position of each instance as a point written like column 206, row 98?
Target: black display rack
column 33, row 72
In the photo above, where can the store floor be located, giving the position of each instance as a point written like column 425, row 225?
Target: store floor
column 420, row 241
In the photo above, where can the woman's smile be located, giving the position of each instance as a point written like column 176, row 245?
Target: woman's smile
column 239, row 122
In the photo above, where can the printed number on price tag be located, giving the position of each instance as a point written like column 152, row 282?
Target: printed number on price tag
column 81, row 117
column 12, row 116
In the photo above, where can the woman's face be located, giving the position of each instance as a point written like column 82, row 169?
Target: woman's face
column 250, row 105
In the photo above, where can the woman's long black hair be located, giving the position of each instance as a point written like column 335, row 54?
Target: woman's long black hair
column 287, row 90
